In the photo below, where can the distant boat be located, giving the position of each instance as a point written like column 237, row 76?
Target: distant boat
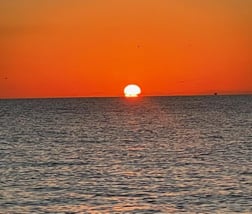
column 215, row 94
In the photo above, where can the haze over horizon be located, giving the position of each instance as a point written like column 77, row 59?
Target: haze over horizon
column 63, row 48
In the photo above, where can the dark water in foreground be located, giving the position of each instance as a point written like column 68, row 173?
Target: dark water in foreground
column 113, row 155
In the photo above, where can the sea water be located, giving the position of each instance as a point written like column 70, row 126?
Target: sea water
column 118, row 155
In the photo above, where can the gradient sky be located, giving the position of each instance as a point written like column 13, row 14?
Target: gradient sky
column 64, row 48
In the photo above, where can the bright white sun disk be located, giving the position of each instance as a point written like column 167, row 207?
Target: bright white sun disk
column 132, row 90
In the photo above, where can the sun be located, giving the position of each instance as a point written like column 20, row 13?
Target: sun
column 132, row 90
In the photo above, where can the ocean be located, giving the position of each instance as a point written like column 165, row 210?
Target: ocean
column 118, row 155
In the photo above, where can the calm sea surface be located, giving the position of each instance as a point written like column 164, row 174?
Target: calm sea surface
column 117, row 155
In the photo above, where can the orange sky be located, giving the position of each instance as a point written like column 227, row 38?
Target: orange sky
column 64, row 48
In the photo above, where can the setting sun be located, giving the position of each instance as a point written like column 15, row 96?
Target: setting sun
column 132, row 90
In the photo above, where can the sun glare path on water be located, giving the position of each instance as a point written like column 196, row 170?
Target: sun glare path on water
column 132, row 90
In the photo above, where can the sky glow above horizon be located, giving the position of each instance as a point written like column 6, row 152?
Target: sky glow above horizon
column 64, row 48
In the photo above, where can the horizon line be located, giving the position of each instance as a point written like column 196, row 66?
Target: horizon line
column 122, row 96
